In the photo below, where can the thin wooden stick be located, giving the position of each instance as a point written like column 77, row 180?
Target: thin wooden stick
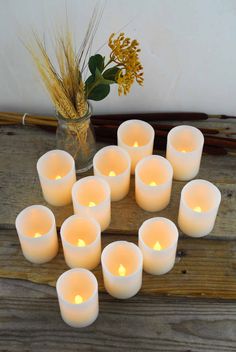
column 110, row 129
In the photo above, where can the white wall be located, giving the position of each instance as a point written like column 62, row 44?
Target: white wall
column 188, row 52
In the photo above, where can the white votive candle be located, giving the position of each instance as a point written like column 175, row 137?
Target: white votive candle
column 112, row 163
column 199, row 204
column 137, row 138
column 81, row 240
column 56, row 170
column 77, row 291
column 158, row 239
column 36, row 228
column 184, row 151
column 122, row 265
column 153, row 182
column 91, row 196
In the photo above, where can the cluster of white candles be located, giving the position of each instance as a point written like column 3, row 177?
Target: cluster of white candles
column 122, row 261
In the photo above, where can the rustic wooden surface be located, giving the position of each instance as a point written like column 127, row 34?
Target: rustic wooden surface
column 180, row 311
column 204, row 267
column 21, row 148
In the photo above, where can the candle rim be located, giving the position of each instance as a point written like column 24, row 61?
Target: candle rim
column 123, row 152
column 73, row 246
column 45, row 235
column 155, row 157
column 181, row 127
column 141, row 122
column 158, row 219
column 139, row 254
column 87, row 301
column 44, row 156
column 199, row 181
column 84, row 180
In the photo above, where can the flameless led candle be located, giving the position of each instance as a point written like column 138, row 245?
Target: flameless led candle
column 184, row 151
column 36, row 228
column 56, row 170
column 122, row 265
column 112, row 163
column 199, row 204
column 137, row 138
column 81, row 240
column 77, row 291
column 158, row 239
column 153, row 182
column 91, row 196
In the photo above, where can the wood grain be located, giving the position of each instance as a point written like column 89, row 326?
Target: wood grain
column 204, row 267
column 161, row 317
column 30, row 321
column 21, row 148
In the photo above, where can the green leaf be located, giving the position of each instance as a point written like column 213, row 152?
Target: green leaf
column 88, row 83
column 100, row 79
column 96, row 62
column 89, row 80
column 99, row 92
column 111, row 73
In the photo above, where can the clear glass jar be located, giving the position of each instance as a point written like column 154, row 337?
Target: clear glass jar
column 76, row 136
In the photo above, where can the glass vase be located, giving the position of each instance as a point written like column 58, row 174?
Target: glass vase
column 76, row 136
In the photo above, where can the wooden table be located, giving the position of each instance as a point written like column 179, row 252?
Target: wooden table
column 193, row 308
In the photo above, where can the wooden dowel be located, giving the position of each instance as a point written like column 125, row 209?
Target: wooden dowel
column 110, row 128
column 161, row 116
column 210, row 141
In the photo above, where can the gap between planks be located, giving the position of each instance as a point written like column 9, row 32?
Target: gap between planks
column 204, row 267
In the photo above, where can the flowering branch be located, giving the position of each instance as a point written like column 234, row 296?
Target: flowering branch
column 128, row 69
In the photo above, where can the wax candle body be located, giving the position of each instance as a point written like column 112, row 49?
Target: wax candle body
column 158, row 239
column 81, row 240
column 36, row 228
column 199, row 204
column 184, row 151
column 91, row 196
column 113, row 164
column 122, row 265
column 153, row 182
column 137, row 138
column 77, row 291
column 56, row 170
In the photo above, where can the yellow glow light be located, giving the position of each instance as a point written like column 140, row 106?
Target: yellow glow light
column 152, row 183
column 197, row 209
column 37, row 235
column 78, row 299
column 157, row 246
column 135, row 144
column 81, row 243
column 122, row 270
column 91, row 204
column 183, row 151
column 112, row 173
column 58, row 177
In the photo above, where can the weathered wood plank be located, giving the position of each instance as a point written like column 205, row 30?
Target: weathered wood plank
column 204, row 267
column 30, row 321
column 19, row 186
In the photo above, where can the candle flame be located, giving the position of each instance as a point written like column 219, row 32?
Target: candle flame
column 78, row 299
column 197, row 209
column 183, row 151
column 122, row 270
column 91, row 204
column 135, row 144
column 37, row 235
column 58, row 177
column 157, row 246
column 152, row 183
column 112, row 173
column 81, row 243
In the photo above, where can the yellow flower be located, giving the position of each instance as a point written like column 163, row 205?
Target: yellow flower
column 125, row 53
